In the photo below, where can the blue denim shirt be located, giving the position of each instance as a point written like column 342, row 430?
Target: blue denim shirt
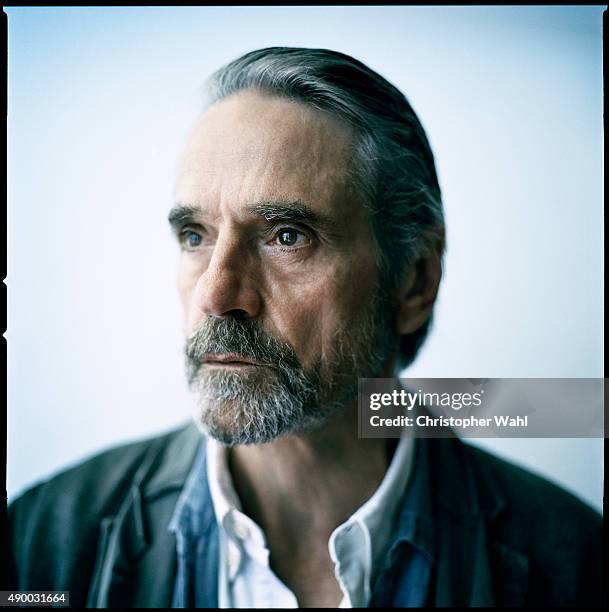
column 403, row 578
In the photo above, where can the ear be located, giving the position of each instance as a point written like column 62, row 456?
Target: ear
column 417, row 294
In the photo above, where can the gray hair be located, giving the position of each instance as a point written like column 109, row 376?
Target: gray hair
column 392, row 166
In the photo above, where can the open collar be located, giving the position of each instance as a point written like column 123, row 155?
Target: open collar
column 457, row 503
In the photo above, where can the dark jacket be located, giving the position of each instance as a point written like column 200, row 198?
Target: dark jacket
column 503, row 535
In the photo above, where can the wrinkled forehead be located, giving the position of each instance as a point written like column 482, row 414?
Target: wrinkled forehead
column 253, row 146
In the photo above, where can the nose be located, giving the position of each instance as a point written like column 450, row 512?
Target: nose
column 227, row 287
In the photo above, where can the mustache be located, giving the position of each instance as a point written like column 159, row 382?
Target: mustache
column 244, row 337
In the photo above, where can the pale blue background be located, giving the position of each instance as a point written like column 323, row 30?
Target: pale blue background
column 100, row 101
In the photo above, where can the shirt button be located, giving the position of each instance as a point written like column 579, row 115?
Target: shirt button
column 241, row 531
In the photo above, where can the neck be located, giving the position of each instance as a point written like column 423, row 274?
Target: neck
column 309, row 482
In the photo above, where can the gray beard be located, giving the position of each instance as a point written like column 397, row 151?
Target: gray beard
column 259, row 404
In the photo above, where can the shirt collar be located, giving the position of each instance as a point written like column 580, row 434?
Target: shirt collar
column 415, row 521
column 223, row 494
column 357, row 544
column 390, row 516
column 193, row 512
column 377, row 514
column 241, row 530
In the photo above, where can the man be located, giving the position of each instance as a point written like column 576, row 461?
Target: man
column 310, row 225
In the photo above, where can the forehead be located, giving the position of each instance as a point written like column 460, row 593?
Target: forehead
column 253, row 147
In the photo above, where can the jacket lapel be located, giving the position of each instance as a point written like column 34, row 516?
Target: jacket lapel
column 472, row 568
column 136, row 561
column 446, row 517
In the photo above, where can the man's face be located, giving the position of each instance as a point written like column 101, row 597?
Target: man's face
column 277, row 275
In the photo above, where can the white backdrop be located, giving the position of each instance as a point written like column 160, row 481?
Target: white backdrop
column 100, row 101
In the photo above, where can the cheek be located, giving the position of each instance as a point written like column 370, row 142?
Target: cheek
column 186, row 282
column 310, row 315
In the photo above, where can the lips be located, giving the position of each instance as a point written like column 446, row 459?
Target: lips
column 231, row 360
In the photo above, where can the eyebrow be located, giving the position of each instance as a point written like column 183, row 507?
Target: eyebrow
column 181, row 214
column 294, row 211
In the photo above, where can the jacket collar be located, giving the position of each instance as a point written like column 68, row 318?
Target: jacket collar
column 136, row 542
column 457, row 502
column 177, row 460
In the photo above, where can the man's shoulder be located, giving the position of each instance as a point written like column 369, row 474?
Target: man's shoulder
column 559, row 534
column 54, row 527
column 97, row 482
column 529, row 493
column 511, row 536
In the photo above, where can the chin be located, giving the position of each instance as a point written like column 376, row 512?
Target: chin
column 253, row 418
column 223, row 420
column 255, row 406
column 234, row 422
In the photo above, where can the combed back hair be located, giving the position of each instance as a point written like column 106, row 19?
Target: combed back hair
column 392, row 166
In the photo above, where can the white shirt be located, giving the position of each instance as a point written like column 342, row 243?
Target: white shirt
column 246, row 579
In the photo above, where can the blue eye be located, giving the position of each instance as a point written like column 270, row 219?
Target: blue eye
column 190, row 239
column 288, row 237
